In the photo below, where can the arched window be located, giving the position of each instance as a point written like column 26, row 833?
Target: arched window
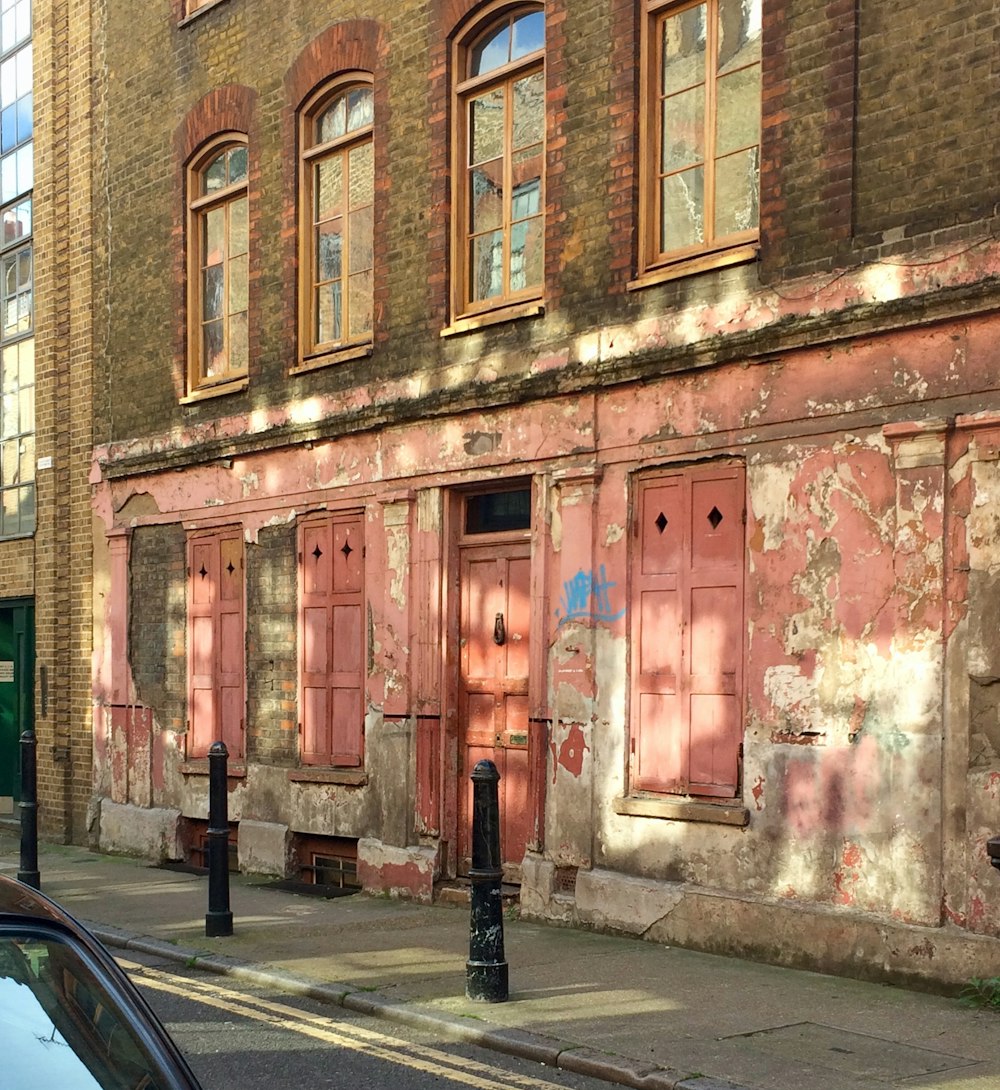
column 218, row 264
column 337, row 188
column 500, row 222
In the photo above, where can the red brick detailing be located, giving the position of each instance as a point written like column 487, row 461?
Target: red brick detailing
column 623, row 122
column 232, row 108
column 357, row 45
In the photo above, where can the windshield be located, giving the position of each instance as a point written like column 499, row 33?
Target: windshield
column 60, row 1023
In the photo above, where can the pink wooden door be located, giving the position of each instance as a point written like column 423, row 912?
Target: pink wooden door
column 687, row 632
column 331, row 642
column 216, row 691
column 493, row 691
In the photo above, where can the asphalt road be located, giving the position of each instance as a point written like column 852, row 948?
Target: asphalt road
column 238, row 1037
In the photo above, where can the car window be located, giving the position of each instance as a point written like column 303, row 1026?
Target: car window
column 61, row 1025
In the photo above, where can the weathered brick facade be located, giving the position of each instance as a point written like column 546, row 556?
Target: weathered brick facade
column 847, row 375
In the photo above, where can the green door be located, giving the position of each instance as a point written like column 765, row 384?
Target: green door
column 17, row 690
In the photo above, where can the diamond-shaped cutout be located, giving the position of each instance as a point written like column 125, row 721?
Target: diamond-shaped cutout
column 715, row 517
column 317, row 552
column 661, row 522
column 203, row 571
column 347, row 550
column 230, row 568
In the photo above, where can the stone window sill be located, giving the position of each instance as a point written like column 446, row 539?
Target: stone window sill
column 472, row 322
column 326, row 359
column 682, row 809
column 738, row 255
column 348, row 777
column 206, row 392
column 198, row 766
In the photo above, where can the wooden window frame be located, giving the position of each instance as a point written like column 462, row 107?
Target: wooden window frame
column 339, row 755
column 198, row 206
column 508, row 304
column 313, row 352
column 656, row 264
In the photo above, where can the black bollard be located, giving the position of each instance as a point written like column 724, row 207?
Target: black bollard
column 218, row 919
column 28, row 874
column 993, row 851
column 486, row 969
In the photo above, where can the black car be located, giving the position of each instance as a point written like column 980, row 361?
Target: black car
column 70, row 1019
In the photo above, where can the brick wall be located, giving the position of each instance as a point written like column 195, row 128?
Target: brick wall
column 158, row 622
column 272, row 668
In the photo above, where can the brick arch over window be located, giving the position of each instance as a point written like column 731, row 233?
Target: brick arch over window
column 228, row 109
column 356, row 46
column 457, row 21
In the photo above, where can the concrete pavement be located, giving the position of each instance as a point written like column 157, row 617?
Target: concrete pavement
column 631, row 1012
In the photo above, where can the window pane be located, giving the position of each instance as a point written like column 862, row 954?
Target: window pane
column 329, row 183
column 738, row 110
column 360, row 287
column 492, row 51
column 529, row 110
column 214, row 236
column 360, row 172
column 329, row 249
column 237, row 158
column 486, row 196
column 239, row 227
column 212, row 357
column 24, row 118
column 486, row 115
column 360, row 108
column 24, row 157
column 332, row 122
column 360, row 235
column 213, row 177
column 683, row 215
column 24, row 356
column 16, row 223
column 212, row 283
column 529, row 34
column 739, row 33
column 238, row 274
column 8, row 128
column 526, row 254
column 736, row 193
column 524, row 201
column 684, row 129
column 486, row 264
column 684, row 43
column 239, row 344
column 328, row 313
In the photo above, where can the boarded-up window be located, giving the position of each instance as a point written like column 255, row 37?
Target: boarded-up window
column 687, row 632
column 331, row 641
column 216, row 685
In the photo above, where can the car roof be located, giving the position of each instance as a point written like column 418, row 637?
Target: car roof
column 22, row 902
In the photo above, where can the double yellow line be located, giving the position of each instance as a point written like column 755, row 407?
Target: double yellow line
column 358, row 1038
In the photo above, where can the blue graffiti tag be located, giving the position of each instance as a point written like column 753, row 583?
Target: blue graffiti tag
column 587, row 597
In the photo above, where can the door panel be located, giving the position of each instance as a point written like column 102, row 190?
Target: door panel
column 17, row 681
column 493, row 690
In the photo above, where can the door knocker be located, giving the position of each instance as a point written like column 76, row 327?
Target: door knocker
column 499, row 632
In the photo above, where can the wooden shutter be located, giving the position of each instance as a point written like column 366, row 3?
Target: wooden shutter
column 216, row 689
column 687, row 632
column 331, row 641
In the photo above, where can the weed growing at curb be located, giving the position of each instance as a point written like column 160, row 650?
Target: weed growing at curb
column 983, row 992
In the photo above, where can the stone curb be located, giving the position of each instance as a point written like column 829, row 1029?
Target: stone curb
column 608, row 1067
